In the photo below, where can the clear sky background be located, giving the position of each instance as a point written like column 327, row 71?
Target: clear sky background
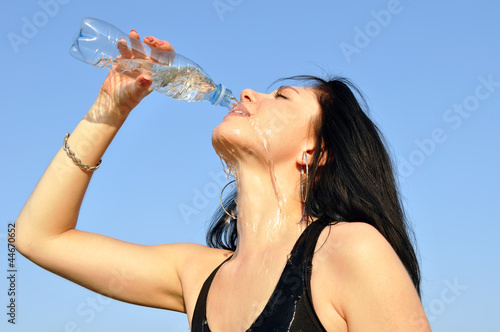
column 430, row 71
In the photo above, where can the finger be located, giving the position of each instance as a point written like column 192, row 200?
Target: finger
column 125, row 51
column 138, row 49
column 144, row 81
column 158, row 49
column 151, row 41
column 134, row 34
column 164, row 45
column 143, row 85
column 160, row 46
column 157, row 44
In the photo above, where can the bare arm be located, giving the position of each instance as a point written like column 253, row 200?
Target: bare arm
column 45, row 228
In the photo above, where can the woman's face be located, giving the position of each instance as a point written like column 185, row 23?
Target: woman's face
column 279, row 125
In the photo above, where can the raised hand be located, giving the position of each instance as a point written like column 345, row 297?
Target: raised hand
column 119, row 94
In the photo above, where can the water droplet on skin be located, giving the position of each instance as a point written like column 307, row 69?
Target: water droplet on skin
column 275, row 223
column 280, row 215
column 226, row 165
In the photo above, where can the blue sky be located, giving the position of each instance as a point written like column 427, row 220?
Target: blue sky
column 429, row 69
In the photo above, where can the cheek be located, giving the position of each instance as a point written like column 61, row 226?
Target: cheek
column 284, row 138
column 282, row 122
column 286, row 128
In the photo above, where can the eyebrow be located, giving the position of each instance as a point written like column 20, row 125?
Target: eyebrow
column 283, row 87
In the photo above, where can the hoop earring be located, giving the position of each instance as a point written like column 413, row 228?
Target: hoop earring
column 304, row 194
column 222, row 205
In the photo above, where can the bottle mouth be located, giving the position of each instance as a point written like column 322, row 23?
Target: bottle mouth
column 223, row 97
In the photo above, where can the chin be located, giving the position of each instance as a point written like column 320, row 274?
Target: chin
column 232, row 143
column 224, row 142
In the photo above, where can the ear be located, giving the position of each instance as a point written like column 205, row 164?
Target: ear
column 307, row 154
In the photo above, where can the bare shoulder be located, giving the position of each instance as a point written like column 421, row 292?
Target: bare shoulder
column 192, row 260
column 356, row 240
column 352, row 244
column 192, row 250
column 195, row 255
column 359, row 250
column 195, row 262
column 369, row 285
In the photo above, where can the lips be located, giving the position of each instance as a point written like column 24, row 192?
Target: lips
column 240, row 109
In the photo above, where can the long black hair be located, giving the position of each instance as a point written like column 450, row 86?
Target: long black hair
column 355, row 184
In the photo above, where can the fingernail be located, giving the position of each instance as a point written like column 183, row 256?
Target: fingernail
column 133, row 31
column 159, row 43
column 151, row 39
column 143, row 81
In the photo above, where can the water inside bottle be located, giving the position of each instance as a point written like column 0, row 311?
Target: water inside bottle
column 182, row 83
column 186, row 83
column 189, row 83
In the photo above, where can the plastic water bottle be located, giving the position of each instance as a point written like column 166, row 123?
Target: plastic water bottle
column 103, row 45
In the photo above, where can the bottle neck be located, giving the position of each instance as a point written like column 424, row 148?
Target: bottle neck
column 223, row 97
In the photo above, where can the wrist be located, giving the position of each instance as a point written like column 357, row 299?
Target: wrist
column 87, row 143
column 105, row 111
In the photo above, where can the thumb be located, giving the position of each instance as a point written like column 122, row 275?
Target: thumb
column 143, row 85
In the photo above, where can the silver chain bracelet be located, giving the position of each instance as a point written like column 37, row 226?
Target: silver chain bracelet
column 76, row 160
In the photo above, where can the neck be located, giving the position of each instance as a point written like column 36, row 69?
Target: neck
column 269, row 210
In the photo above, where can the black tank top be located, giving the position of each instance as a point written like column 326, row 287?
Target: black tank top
column 290, row 307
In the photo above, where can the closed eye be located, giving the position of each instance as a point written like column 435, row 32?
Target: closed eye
column 277, row 95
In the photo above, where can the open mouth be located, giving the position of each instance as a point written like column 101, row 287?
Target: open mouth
column 240, row 109
column 239, row 112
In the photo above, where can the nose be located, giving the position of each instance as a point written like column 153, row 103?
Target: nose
column 249, row 96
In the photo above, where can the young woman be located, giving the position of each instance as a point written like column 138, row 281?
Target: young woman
column 316, row 242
